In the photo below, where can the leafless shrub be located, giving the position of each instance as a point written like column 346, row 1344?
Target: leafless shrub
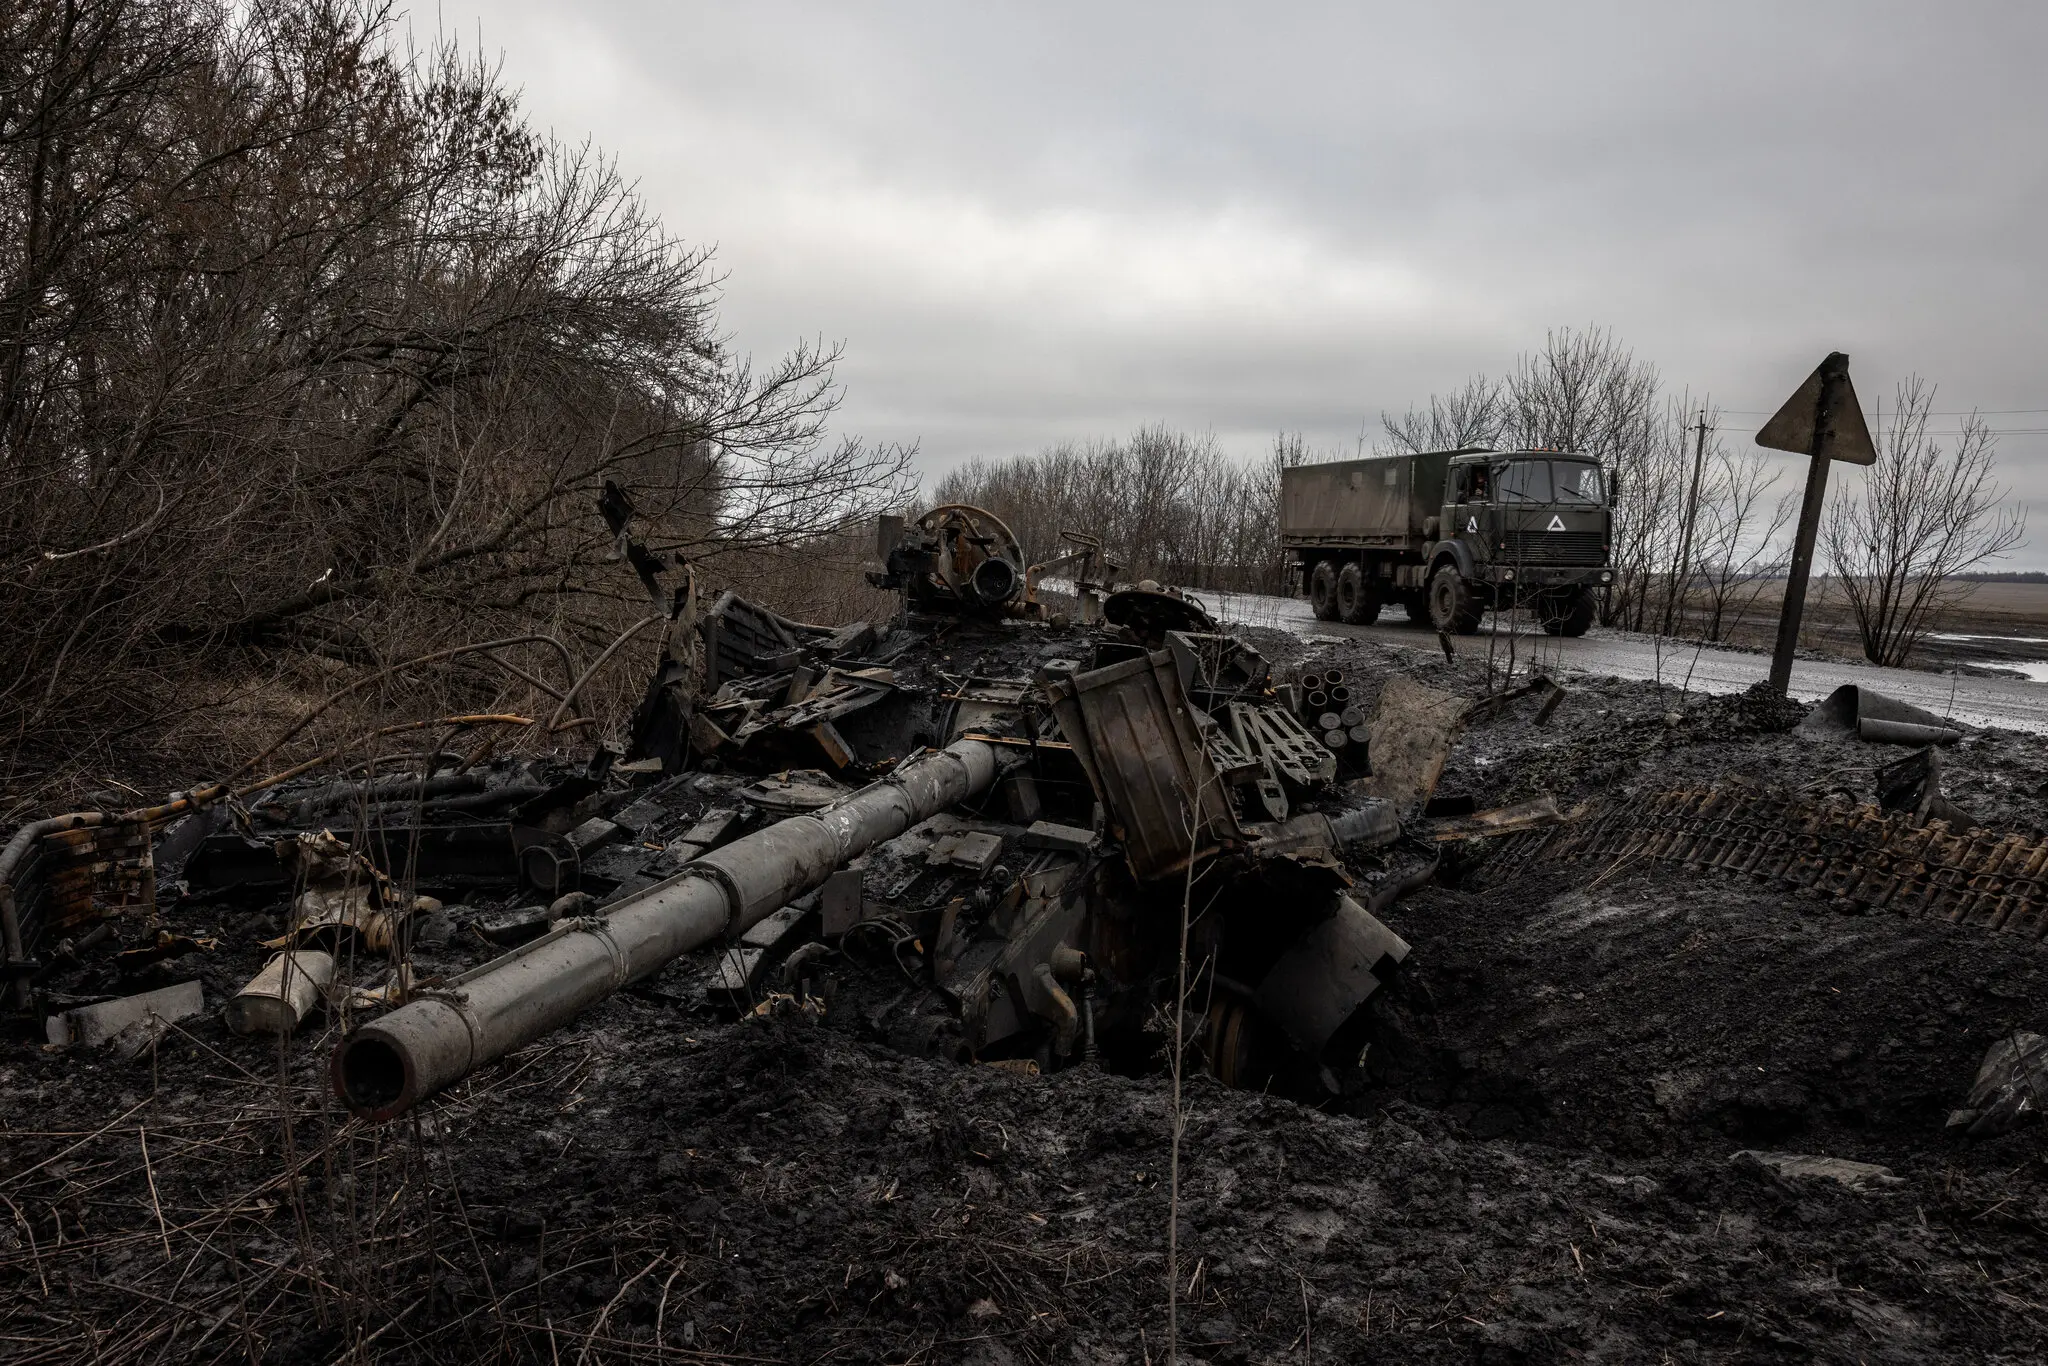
column 1922, row 516
column 820, row 578
column 1740, row 543
column 1168, row 505
column 311, row 349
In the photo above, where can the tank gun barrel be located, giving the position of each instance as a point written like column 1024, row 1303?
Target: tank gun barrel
column 391, row 1064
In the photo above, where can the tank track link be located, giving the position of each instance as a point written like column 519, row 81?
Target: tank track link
column 1828, row 847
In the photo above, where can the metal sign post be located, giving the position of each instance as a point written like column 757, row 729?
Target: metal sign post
column 1821, row 420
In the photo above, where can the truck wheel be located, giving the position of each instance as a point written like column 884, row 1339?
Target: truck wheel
column 1451, row 608
column 1322, row 591
column 1569, row 614
column 1358, row 598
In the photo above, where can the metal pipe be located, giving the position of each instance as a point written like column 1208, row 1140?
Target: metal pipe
column 391, row 1064
column 1088, row 1049
column 12, row 943
column 1067, row 1021
column 25, row 838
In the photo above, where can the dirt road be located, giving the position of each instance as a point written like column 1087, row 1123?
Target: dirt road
column 2016, row 704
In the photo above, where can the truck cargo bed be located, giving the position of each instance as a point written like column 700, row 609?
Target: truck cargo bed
column 1378, row 501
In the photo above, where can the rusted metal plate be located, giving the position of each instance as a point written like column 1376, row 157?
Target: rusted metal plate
column 1533, row 814
column 1319, row 983
column 1132, row 730
column 74, row 877
column 1412, row 728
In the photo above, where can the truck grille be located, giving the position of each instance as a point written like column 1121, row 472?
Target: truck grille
column 1554, row 547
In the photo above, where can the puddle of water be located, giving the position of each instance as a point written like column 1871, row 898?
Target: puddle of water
column 2036, row 670
column 2006, row 640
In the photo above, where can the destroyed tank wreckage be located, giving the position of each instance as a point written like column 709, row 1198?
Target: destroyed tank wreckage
column 999, row 863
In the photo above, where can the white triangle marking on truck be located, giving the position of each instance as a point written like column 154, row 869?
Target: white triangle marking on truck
column 1556, row 523
column 1471, row 524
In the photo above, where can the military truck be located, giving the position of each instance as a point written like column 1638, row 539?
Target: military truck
column 1451, row 534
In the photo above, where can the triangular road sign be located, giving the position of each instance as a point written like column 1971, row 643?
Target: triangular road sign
column 1791, row 428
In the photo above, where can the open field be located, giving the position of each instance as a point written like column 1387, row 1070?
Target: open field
column 1997, row 625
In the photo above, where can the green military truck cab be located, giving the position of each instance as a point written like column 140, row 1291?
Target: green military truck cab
column 1451, row 534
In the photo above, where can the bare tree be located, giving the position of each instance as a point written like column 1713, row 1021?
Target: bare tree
column 1289, row 452
column 1585, row 391
column 1475, row 415
column 1922, row 516
column 1168, row 505
column 1739, row 542
column 311, row 350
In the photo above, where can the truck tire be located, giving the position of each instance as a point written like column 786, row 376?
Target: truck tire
column 1358, row 598
column 1568, row 614
column 1451, row 605
column 1322, row 591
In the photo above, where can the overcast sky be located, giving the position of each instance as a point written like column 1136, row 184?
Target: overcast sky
column 1035, row 222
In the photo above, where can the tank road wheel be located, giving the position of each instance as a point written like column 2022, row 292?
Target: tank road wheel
column 1568, row 613
column 1451, row 605
column 1322, row 591
column 1358, row 598
column 1232, row 1045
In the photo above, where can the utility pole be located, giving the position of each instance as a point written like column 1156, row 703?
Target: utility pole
column 1682, row 571
column 1823, row 421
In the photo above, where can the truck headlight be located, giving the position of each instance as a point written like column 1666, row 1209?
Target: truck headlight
column 1507, row 575
column 1606, row 576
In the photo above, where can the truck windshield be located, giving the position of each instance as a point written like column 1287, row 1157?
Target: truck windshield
column 1550, row 481
column 1576, row 481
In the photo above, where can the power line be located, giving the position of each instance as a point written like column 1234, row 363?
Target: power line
column 1946, row 412
column 1951, row 431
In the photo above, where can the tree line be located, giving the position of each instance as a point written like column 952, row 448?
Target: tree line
column 314, row 356
column 1701, row 525
column 1168, row 505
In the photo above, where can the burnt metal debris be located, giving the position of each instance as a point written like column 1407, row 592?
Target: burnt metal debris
column 976, row 826
column 1853, row 710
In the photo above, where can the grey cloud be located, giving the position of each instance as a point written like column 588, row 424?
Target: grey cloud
column 1031, row 222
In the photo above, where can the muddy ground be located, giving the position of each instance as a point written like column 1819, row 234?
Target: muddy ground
column 1549, row 1166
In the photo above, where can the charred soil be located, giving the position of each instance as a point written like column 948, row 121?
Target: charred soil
column 1555, row 1160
